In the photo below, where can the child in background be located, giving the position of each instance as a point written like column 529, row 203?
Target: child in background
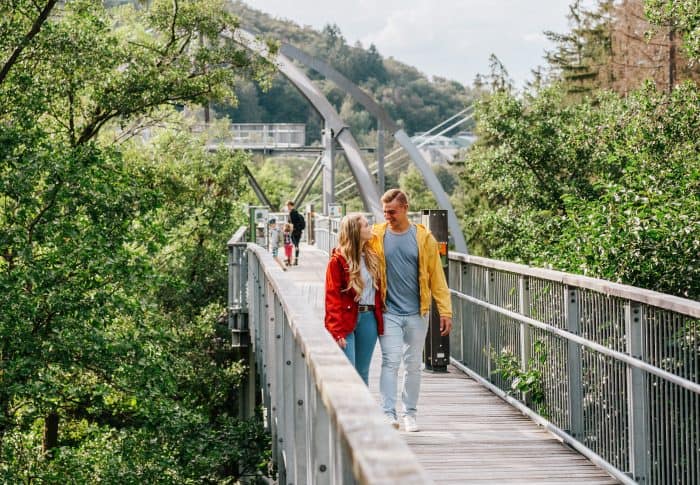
column 275, row 237
column 288, row 244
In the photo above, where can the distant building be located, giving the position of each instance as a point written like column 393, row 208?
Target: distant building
column 441, row 149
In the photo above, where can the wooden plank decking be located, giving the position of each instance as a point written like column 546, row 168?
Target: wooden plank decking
column 469, row 435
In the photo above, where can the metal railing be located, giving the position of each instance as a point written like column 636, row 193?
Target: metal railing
column 326, row 232
column 326, row 229
column 261, row 135
column 618, row 366
column 326, row 427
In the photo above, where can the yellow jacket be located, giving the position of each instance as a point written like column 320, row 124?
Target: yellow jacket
column 431, row 276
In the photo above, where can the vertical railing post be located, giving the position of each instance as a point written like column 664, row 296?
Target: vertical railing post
column 524, row 309
column 278, row 389
column 489, row 318
column 310, row 224
column 456, row 335
column 288, row 404
column 300, row 416
column 465, row 321
column 637, row 395
column 380, row 157
column 320, row 472
column 575, row 402
column 330, row 230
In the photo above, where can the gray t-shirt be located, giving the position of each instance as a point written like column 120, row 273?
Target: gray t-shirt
column 401, row 254
column 274, row 238
column 367, row 297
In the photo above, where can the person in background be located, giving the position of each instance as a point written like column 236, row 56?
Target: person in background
column 410, row 264
column 275, row 236
column 298, row 224
column 288, row 245
column 354, row 293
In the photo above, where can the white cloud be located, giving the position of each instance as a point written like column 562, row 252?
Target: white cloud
column 450, row 38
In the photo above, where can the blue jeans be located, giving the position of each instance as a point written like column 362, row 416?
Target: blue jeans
column 404, row 336
column 361, row 342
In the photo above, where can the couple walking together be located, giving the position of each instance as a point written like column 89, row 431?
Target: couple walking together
column 379, row 284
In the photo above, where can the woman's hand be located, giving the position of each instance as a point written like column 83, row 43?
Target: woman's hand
column 342, row 343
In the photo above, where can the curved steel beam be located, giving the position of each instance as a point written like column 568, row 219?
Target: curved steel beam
column 341, row 81
column 368, row 189
column 400, row 136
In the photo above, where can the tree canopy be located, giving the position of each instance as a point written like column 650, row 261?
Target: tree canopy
column 113, row 366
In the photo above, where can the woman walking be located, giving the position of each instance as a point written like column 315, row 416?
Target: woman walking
column 353, row 293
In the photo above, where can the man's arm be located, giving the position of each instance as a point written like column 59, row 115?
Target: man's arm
column 439, row 288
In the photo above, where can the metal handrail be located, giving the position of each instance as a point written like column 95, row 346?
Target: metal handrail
column 620, row 367
column 660, row 300
column 318, row 435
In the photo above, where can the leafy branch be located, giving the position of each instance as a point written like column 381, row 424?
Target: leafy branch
column 530, row 381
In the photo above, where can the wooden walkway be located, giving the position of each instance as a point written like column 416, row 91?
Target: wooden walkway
column 468, row 434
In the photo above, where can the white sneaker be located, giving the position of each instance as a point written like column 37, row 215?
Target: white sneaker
column 392, row 421
column 409, row 424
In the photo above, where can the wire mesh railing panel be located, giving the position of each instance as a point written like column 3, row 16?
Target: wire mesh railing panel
column 614, row 370
column 672, row 342
column 547, row 302
column 554, row 371
column 604, row 380
column 504, row 332
column 458, row 313
column 674, row 423
column 474, row 326
column 603, row 319
column 605, row 419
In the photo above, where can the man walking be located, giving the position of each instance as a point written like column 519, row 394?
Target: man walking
column 298, row 225
column 411, row 267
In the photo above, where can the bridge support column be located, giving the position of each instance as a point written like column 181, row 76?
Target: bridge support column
column 381, row 182
column 237, row 316
column 328, row 167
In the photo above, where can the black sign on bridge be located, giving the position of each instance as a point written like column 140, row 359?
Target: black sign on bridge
column 436, row 355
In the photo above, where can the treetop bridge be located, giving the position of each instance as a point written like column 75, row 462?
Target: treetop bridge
column 608, row 374
column 617, row 367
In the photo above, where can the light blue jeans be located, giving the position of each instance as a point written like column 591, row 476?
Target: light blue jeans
column 404, row 335
column 360, row 344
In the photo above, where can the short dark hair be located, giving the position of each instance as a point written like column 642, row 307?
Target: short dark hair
column 394, row 194
column 290, row 202
column 273, row 221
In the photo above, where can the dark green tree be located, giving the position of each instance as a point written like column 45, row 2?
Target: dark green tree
column 580, row 57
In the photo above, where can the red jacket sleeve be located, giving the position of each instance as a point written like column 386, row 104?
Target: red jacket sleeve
column 337, row 305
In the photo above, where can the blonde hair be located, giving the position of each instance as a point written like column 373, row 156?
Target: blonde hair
column 394, row 194
column 352, row 247
column 287, row 227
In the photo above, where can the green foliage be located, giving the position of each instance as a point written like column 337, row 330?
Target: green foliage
column 683, row 16
column 112, row 257
column 411, row 181
column 608, row 187
column 530, row 381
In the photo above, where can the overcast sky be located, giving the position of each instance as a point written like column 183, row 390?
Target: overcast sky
column 446, row 38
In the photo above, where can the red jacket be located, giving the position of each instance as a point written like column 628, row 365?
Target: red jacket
column 341, row 307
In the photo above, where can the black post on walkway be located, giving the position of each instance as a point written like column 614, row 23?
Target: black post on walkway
column 437, row 348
